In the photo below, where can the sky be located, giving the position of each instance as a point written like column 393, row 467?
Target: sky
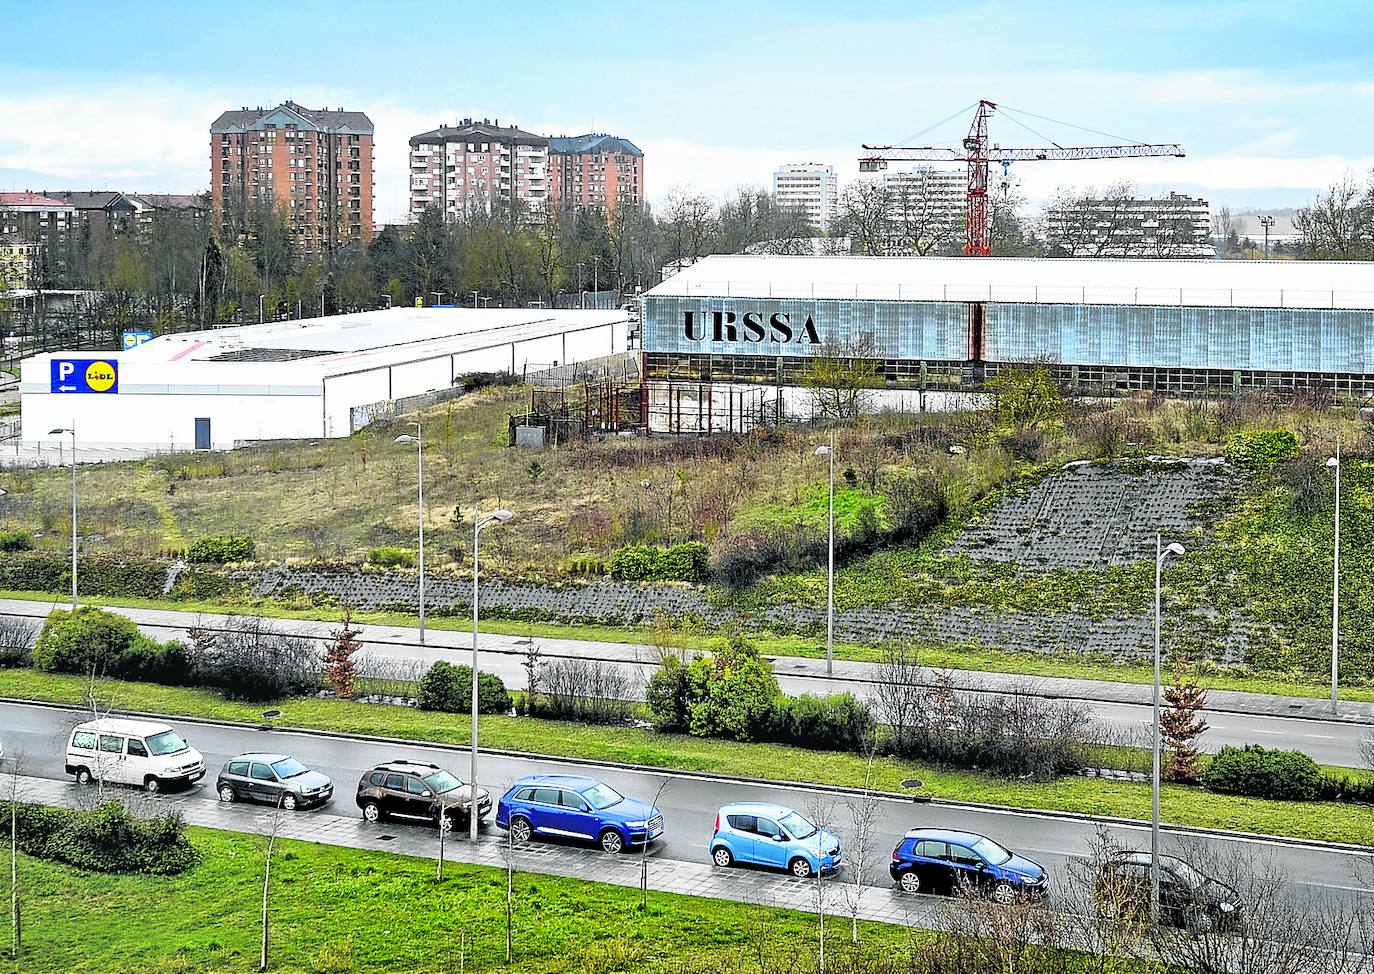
column 1271, row 101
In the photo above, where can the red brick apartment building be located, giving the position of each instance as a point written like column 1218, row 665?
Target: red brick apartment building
column 595, row 171
column 314, row 164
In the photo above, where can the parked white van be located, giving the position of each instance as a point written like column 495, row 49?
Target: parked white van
column 132, row 752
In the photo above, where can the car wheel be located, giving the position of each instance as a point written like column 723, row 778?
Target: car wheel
column 83, row 776
column 151, row 785
column 721, row 857
column 612, row 842
column 521, row 830
column 288, row 802
column 1003, row 892
column 910, row 882
column 372, row 812
column 226, row 794
column 801, row 868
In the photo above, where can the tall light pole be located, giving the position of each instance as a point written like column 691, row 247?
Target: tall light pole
column 596, row 277
column 478, row 523
column 419, row 440
column 1335, row 463
column 261, row 319
column 58, row 432
column 581, row 294
column 1266, row 221
column 1161, row 554
column 829, row 452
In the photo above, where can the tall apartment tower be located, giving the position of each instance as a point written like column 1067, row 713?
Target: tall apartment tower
column 478, row 165
column 315, row 165
column 595, row 171
column 809, row 187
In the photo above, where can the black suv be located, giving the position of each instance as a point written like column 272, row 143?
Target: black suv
column 1187, row 898
column 415, row 789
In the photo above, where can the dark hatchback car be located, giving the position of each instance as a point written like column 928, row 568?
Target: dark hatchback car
column 274, row 779
column 1187, row 898
column 947, row 861
column 416, row 789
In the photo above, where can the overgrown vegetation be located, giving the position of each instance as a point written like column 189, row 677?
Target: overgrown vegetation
column 105, row 839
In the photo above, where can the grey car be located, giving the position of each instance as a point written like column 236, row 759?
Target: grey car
column 273, row 779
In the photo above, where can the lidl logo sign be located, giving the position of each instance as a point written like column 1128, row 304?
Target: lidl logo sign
column 84, row 375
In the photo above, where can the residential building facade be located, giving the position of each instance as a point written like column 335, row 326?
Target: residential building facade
column 478, row 165
column 313, row 165
column 43, row 226
column 810, row 188
column 595, row 171
column 926, row 210
column 1175, row 225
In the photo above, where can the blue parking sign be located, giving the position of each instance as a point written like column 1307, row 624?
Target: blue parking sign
column 84, row 375
column 132, row 339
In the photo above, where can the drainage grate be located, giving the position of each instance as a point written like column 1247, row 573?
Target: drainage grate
column 386, row 838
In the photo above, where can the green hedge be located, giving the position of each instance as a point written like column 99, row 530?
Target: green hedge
column 388, row 557
column 220, row 548
column 1259, row 772
column 16, row 541
column 109, row 644
column 686, row 562
column 110, row 575
column 106, row 839
column 448, row 688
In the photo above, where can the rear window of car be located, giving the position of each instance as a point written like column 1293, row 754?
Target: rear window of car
column 376, row 778
column 84, row 740
column 395, row 782
column 524, row 795
column 742, row 823
column 930, row 849
column 111, row 744
column 239, row 768
column 548, row 796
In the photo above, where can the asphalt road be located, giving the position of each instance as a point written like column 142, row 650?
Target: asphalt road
column 36, row 736
column 1335, row 742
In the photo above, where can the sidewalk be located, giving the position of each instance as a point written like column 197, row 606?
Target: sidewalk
column 884, row 904
column 403, row 642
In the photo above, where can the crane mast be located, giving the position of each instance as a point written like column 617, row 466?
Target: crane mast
column 977, row 155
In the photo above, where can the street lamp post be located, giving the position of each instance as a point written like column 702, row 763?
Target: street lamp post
column 419, row 440
column 478, row 523
column 581, row 294
column 1335, row 463
column 829, row 453
column 58, row 432
column 596, row 277
column 1161, row 554
column 1266, row 221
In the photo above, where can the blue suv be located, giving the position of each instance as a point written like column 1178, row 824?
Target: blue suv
column 773, row 835
column 572, row 807
column 946, row 861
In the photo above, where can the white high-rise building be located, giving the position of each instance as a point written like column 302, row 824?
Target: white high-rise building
column 809, row 187
column 926, row 209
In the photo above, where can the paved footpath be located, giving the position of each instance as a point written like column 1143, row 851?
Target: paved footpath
column 1305, row 723
column 884, row 904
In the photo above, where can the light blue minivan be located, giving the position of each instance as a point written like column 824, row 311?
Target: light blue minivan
column 775, row 836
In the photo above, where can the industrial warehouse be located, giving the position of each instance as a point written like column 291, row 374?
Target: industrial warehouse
column 318, row 377
column 728, row 340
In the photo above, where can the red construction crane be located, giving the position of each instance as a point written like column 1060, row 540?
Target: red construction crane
column 977, row 154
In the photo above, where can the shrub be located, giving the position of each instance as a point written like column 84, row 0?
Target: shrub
column 448, row 688
column 666, row 697
column 633, row 563
column 77, row 641
column 107, row 838
column 1260, row 449
column 16, row 541
column 683, row 563
column 1260, row 772
column 16, row 642
column 154, row 662
column 731, row 694
column 838, row 722
column 248, row 658
column 220, row 548
column 388, row 557
column 591, row 691
column 586, row 565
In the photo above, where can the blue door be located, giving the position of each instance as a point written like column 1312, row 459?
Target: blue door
column 577, row 814
column 545, row 814
column 202, row 432
column 770, row 844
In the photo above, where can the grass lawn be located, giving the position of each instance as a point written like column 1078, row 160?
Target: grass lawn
column 337, row 910
column 972, row 658
column 1179, row 805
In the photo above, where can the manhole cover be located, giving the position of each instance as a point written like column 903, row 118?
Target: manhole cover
column 385, row 838
column 912, row 783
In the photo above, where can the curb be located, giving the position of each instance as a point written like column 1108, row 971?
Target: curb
column 1053, row 814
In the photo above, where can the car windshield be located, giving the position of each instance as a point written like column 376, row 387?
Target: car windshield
column 797, row 827
column 442, row 781
column 168, row 742
column 991, row 851
column 601, row 796
column 288, row 768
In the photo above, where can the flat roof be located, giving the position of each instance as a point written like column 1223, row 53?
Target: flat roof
column 1240, row 283
column 339, row 344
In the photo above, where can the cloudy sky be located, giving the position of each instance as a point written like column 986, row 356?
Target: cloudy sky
column 1271, row 100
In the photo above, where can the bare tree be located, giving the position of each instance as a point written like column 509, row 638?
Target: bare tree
column 644, row 851
column 821, row 811
column 923, row 217
column 689, row 219
column 898, row 691
column 861, row 852
column 275, row 824
column 841, row 375
column 863, row 213
column 1339, row 225
column 1091, row 223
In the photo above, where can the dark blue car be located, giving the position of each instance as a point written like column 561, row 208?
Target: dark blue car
column 573, row 807
column 947, row 861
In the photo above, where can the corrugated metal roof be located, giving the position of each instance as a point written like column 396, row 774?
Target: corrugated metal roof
column 1256, row 283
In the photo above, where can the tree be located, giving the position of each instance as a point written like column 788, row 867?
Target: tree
column 861, row 852
column 1025, row 398
column 1339, row 225
column 923, row 219
column 863, row 213
column 1226, row 234
column 1181, row 726
column 840, row 376
column 898, row 693
column 690, row 221
column 339, row 666
column 274, row 826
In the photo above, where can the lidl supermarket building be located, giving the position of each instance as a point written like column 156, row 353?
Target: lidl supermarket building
column 316, row 377
column 727, row 340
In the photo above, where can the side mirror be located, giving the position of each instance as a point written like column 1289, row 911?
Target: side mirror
column 779, row 838
column 426, row 794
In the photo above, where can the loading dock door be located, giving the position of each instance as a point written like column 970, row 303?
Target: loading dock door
column 202, row 433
